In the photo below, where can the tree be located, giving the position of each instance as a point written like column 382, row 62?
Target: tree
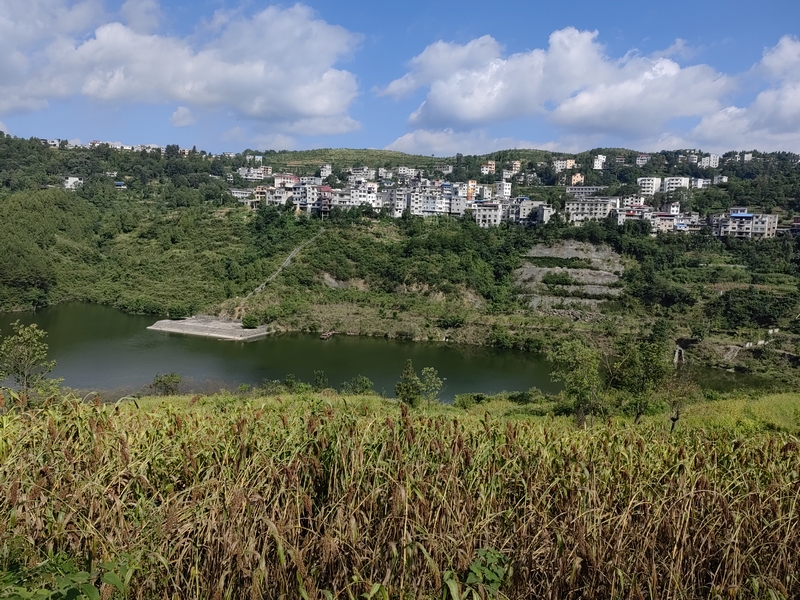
column 167, row 384
column 409, row 389
column 642, row 367
column 23, row 357
column 431, row 384
column 577, row 366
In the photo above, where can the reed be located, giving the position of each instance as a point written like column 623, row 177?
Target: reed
column 327, row 497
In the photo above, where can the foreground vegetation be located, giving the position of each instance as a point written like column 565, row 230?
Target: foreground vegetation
column 321, row 495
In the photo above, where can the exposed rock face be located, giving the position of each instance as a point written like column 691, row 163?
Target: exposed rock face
column 587, row 275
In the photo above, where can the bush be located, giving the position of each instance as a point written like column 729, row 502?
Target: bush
column 358, row 385
column 250, row 321
column 166, row 385
column 558, row 278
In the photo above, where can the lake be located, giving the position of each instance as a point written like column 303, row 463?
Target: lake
column 101, row 348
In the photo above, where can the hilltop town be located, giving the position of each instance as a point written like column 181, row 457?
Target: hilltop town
column 655, row 189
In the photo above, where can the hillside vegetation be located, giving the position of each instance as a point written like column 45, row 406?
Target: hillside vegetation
column 319, row 495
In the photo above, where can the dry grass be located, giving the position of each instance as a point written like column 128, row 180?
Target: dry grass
column 321, row 496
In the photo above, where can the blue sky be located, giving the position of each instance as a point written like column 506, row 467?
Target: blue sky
column 431, row 76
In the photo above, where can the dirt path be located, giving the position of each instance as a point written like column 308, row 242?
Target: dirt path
column 284, row 264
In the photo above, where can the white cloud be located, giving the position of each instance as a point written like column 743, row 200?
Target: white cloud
column 274, row 67
column 142, row 16
column 441, row 59
column 182, row 117
column 572, row 83
column 772, row 120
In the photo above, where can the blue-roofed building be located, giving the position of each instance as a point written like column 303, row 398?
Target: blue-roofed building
column 742, row 223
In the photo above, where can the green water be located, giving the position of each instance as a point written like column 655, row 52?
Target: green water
column 97, row 347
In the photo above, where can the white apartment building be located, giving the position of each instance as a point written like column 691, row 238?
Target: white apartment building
column 487, row 214
column 407, row 172
column 286, row 180
column 484, row 192
column 516, row 166
column 649, row 185
column 312, row 180
column 256, row 174
column 744, row 224
column 709, row 162
column 72, row 183
column 599, row 162
column 700, row 183
column 325, row 171
column 488, row 168
column 503, row 189
column 670, row 184
column 384, row 173
column 720, row 179
column 642, row 160
column 590, row 208
column 563, row 164
column 508, row 174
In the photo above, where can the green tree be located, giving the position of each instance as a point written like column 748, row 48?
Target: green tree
column 642, row 368
column 577, row 366
column 23, row 357
column 167, row 384
column 431, row 384
column 409, row 389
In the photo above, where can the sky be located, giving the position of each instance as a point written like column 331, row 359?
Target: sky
column 421, row 76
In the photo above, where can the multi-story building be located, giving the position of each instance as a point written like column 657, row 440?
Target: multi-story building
column 286, row 180
column 325, row 171
column 576, row 179
column 649, row 185
column 590, row 208
column 709, row 162
column 795, row 228
column 670, row 184
column 563, row 164
column 720, row 179
column 744, row 224
column 642, row 160
column 584, row 190
column 700, row 183
column 503, row 189
column 599, row 162
column 487, row 214
column 488, row 168
column 72, row 183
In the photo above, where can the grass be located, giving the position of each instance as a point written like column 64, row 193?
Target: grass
column 321, row 495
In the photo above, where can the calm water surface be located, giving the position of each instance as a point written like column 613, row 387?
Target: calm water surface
column 98, row 347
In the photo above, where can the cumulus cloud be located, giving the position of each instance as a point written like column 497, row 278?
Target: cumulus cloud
column 143, row 16
column 572, row 83
column 182, row 117
column 772, row 120
column 274, row 67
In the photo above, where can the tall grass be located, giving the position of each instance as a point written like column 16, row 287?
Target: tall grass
column 320, row 497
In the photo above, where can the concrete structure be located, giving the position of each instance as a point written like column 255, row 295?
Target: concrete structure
column 670, row 184
column 212, row 327
column 709, row 162
column 649, row 185
column 642, row 160
column 488, row 214
column 576, row 179
column 584, row 190
column 744, row 224
column 563, row 164
column 599, row 162
column 503, row 189
column 72, row 183
column 325, row 171
column 590, row 208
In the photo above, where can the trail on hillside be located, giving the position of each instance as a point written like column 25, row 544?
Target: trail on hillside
column 284, row 264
